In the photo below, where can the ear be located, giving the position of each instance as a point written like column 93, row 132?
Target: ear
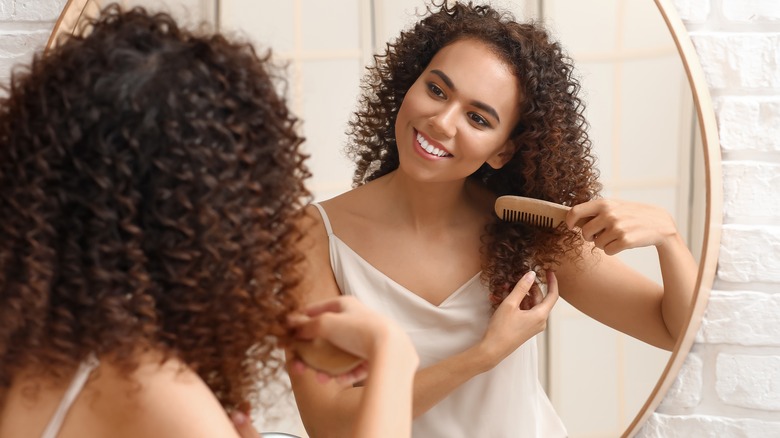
column 502, row 156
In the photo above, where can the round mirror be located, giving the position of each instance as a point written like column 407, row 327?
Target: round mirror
column 652, row 125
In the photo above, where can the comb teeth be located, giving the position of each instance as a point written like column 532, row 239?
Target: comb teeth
column 529, row 218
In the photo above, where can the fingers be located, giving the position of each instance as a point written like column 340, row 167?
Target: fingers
column 536, row 295
column 357, row 374
column 521, row 289
column 582, row 214
column 336, row 304
column 615, row 226
column 316, row 316
column 552, row 294
column 243, row 425
column 311, row 328
column 533, row 298
column 609, row 244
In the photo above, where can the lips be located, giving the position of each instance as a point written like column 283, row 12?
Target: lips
column 430, row 147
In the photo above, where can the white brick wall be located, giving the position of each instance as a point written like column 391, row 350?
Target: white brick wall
column 743, row 123
column 729, row 385
column 25, row 26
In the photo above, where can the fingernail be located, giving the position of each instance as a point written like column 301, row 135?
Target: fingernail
column 530, row 276
column 239, row 418
column 296, row 319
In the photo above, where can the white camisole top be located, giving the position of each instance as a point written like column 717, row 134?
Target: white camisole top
column 76, row 385
column 505, row 402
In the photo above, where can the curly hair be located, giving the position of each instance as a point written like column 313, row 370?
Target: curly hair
column 552, row 159
column 150, row 180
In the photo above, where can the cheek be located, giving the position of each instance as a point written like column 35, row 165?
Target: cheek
column 409, row 106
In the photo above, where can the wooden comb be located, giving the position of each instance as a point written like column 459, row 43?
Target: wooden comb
column 322, row 355
column 532, row 211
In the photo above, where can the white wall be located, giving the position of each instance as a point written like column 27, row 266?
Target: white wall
column 730, row 384
column 25, row 26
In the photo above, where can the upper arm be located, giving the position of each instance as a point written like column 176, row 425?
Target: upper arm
column 317, row 280
column 326, row 408
column 316, row 399
column 608, row 290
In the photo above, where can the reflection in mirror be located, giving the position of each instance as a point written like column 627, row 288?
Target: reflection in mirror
column 642, row 120
column 642, row 125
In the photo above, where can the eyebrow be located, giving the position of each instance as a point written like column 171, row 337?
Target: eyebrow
column 481, row 105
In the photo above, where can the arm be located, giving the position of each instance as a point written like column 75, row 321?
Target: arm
column 611, row 292
column 385, row 406
column 328, row 409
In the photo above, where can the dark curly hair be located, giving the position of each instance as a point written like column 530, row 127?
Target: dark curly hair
column 552, row 160
column 150, row 180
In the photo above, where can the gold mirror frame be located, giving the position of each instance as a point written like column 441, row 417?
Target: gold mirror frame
column 75, row 10
column 69, row 19
column 713, row 211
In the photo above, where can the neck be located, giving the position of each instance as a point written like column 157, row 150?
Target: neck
column 429, row 205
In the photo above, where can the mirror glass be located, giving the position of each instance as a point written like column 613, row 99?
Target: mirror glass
column 643, row 127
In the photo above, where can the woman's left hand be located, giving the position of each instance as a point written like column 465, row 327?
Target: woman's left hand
column 614, row 226
column 243, row 425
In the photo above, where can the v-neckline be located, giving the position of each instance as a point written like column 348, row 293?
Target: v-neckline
column 414, row 295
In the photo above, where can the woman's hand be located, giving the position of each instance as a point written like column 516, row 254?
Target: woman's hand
column 243, row 425
column 349, row 325
column 615, row 226
column 385, row 404
column 346, row 323
column 513, row 324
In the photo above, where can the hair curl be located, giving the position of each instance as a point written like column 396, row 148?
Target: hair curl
column 552, row 159
column 150, row 179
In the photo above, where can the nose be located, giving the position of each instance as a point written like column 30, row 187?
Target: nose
column 443, row 122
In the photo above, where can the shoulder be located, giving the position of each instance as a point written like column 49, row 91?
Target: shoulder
column 360, row 208
column 159, row 399
column 317, row 279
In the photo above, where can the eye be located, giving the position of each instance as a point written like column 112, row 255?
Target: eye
column 479, row 120
column 435, row 90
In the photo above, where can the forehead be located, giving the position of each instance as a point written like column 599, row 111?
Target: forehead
column 479, row 73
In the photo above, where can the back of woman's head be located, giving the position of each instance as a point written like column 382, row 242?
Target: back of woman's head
column 149, row 178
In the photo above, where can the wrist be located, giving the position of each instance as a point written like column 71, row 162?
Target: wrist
column 393, row 345
column 482, row 357
column 672, row 240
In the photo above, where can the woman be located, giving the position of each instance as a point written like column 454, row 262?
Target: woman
column 150, row 179
column 466, row 106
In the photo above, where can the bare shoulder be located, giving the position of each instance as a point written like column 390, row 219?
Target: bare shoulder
column 312, row 225
column 360, row 210
column 160, row 399
column 317, row 279
column 363, row 198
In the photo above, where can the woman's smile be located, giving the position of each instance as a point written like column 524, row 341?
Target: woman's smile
column 430, row 148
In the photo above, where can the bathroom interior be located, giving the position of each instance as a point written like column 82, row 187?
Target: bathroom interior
column 646, row 124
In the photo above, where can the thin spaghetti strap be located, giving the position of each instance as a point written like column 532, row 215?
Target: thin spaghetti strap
column 76, row 385
column 325, row 218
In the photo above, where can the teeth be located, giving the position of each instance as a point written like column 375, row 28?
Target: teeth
column 430, row 149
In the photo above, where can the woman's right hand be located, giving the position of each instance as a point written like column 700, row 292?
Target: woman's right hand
column 350, row 325
column 512, row 325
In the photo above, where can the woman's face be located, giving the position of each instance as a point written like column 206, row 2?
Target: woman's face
column 458, row 114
